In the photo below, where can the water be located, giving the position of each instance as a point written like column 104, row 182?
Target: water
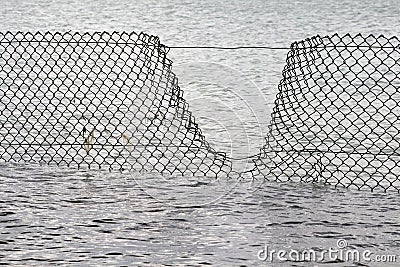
column 64, row 216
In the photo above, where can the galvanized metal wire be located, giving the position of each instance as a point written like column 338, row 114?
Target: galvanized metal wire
column 111, row 100
column 336, row 116
column 100, row 100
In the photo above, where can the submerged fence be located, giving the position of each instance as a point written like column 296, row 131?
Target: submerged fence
column 337, row 114
column 110, row 100
column 101, row 100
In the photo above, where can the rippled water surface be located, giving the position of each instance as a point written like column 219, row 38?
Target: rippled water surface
column 51, row 215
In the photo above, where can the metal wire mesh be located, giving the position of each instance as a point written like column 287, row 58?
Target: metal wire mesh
column 336, row 116
column 100, row 100
column 111, row 100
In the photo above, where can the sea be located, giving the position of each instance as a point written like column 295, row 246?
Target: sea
column 62, row 216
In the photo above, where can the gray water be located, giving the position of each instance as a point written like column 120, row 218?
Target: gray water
column 51, row 215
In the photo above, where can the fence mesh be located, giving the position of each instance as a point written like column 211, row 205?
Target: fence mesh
column 100, row 100
column 111, row 100
column 336, row 116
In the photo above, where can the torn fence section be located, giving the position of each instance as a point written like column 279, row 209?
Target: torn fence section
column 110, row 100
column 98, row 100
column 336, row 115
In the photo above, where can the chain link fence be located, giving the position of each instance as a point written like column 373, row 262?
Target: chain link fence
column 336, row 116
column 99, row 100
column 110, row 100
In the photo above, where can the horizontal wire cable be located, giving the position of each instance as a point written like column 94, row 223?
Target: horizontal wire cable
column 200, row 46
column 127, row 146
column 229, row 47
column 281, row 48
